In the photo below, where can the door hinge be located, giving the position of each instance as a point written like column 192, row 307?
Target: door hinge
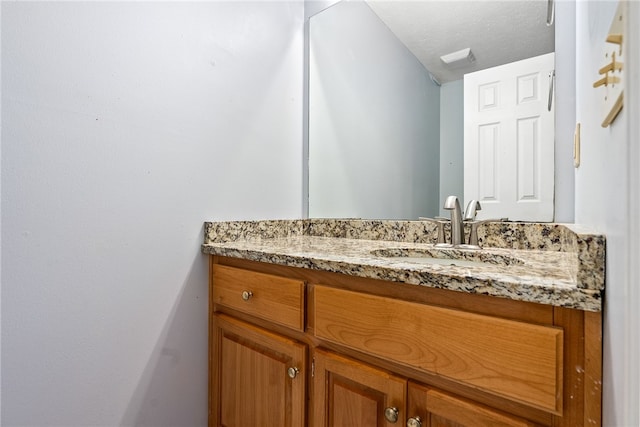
column 313, row 367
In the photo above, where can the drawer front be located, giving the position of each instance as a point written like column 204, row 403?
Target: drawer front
column 451, row 409
column 274, row 298
column 516, row 360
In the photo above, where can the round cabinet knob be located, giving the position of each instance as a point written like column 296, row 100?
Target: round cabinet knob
column 414, row 422
column 293, row 372
column 391, row 414
column 246, row 295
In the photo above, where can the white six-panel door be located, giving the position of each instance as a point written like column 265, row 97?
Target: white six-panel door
column 509, row 140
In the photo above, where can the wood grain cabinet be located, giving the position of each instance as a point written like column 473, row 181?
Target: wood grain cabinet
column 352, row 394
column 259, row 377
column 298, row 347
column 434, row 408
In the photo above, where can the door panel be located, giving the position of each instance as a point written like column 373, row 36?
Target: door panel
column 358, row 404
column 509, row 140
column 253, row 387
column 348, row 393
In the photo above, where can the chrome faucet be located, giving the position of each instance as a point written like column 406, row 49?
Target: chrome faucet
column 472, row 210
column 457, row 227
column 458, row 221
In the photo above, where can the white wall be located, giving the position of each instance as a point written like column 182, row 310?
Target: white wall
column 311, row 7
column 373, row 120
column 607, row 197
column 451, row 143
column 0, row 218
column 125, row 125
column 565, row 99
column 632, row 338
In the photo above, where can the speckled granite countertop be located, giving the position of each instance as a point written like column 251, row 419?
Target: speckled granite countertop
column 561, row 265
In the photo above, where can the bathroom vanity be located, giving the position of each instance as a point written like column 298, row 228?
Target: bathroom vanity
column 352, row 323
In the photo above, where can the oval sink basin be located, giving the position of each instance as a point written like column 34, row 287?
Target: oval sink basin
column 440, row 261
column 447, row 256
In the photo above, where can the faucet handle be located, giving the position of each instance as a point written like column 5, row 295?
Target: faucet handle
column 473, row 233
column 472, row 210
column 434, row 219
column 440, row 222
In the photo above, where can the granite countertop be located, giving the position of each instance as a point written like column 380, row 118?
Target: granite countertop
column 560, row 265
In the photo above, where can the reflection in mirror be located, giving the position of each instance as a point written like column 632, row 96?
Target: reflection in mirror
column 386, row 120
column 373, row 120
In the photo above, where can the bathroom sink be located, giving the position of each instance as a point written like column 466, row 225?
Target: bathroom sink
column 447, row 256
column 440, row 261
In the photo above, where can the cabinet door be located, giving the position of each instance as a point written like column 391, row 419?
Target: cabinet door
column 258, row 377
column 348, row 393
column 427, row 407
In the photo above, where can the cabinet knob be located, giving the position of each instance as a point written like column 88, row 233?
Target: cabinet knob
column 414, row 422
column 246, row 295
column 391, row 414
column 293, row 372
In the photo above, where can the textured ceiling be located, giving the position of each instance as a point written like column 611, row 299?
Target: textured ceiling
column 498, row 32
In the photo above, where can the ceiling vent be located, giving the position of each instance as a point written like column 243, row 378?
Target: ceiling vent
column 459, row 57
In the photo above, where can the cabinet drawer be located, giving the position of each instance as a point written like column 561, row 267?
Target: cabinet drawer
column 512, row 359
column 274, row 298
column 444, row 409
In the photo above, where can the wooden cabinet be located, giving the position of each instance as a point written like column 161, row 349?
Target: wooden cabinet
column 428, row 407
column 507, row 358
column 258, row 378
column 348, row 393
column 272, row 298
column 299, row 347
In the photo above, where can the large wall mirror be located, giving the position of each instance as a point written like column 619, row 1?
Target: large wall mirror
column 386, row 114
